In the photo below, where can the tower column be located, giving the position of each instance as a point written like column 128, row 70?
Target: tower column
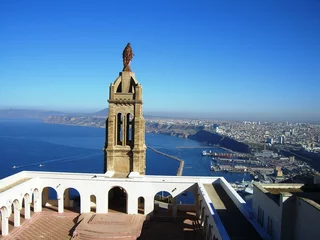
column 125, row 99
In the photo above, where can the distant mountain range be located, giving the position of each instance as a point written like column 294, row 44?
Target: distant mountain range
column 42, row 114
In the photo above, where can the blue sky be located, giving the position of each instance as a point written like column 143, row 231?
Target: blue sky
column 213, row 58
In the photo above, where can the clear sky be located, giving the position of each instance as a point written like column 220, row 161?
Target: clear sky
column 213, row 57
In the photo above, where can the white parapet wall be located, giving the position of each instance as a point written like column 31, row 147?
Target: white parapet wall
column 207, row 209
column 243, row 207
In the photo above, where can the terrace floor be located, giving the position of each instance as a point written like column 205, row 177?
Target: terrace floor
column 50, row 225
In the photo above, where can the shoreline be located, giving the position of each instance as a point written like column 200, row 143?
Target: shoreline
column 204, row 146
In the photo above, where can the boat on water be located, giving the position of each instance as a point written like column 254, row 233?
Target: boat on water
column 214, row 168
column 217, row 154
column 41, row 165
column 248, row 190
column 14, row 166
column 206, row 153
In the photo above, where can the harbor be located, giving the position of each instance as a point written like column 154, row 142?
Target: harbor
column 181, row 162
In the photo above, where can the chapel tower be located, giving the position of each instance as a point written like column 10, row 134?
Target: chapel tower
column 125, row 149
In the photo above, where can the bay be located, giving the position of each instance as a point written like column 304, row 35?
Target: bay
column 36, row 146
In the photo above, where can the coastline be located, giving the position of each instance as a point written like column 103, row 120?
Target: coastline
column 204, row 137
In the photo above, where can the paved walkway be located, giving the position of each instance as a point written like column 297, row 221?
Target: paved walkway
column 236, row 225
column 46, row 225
column 50, row 225
column 164, row 227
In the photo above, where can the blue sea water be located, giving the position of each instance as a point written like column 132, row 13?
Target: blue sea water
column 33, row 145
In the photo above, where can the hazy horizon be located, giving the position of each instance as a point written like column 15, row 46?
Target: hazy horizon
column 236, row 116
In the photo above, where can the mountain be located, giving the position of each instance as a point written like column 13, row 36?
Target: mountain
column 222, row 141
column 28, row 113
column 102, row 113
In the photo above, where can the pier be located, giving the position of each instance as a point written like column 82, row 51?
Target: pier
column 181, row 162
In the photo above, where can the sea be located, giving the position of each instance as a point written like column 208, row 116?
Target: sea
column 31, row 145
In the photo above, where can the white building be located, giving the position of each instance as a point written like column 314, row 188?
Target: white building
column 288, row 211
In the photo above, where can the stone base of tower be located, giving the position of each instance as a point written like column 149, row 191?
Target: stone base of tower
column 119, row 160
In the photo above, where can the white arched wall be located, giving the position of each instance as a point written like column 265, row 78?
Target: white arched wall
column 86, row 185
column 4, row 221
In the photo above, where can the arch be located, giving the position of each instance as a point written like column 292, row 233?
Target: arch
column 26, row 206
column 119, row 129
column 118, row 199
column 49, row 198
column 36, row 201
column 72, row 199
column 15, row 209
column 162, row 203
column 93, row 203
column 141, row 205
column 130, row 128
column 4, row 230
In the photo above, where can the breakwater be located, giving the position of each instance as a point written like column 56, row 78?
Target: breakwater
column 181, row 162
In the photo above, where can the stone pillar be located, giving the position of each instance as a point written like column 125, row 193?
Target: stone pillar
column 85, row 204
column 4, row 224
column 37, row 203
column 101, row 204
column 45, row 196
column 67, row 198
column 197, row 205
column 60, row 205
column 202, row 215
column 16, row 216
column 132, row 203
column 205, row 226
column 27, row 210
column 174, row 207
column 148, row 206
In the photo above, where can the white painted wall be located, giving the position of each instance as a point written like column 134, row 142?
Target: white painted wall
column 270, row 208
column 242, row 206
column 99, row 185
column 307, row 225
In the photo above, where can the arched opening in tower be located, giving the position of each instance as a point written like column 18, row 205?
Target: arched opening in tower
column 50, row 199
column 162, row 204
column 129, row 136
column 117, row 199
column 119, row 128
column 72, row 200
column 93, row 203
column 141, row 205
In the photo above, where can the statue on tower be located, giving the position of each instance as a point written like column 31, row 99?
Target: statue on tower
column 127, row 56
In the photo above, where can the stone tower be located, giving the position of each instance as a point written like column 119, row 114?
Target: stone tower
column 125, row 149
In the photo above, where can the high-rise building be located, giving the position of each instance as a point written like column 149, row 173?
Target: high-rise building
column 281, row 139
